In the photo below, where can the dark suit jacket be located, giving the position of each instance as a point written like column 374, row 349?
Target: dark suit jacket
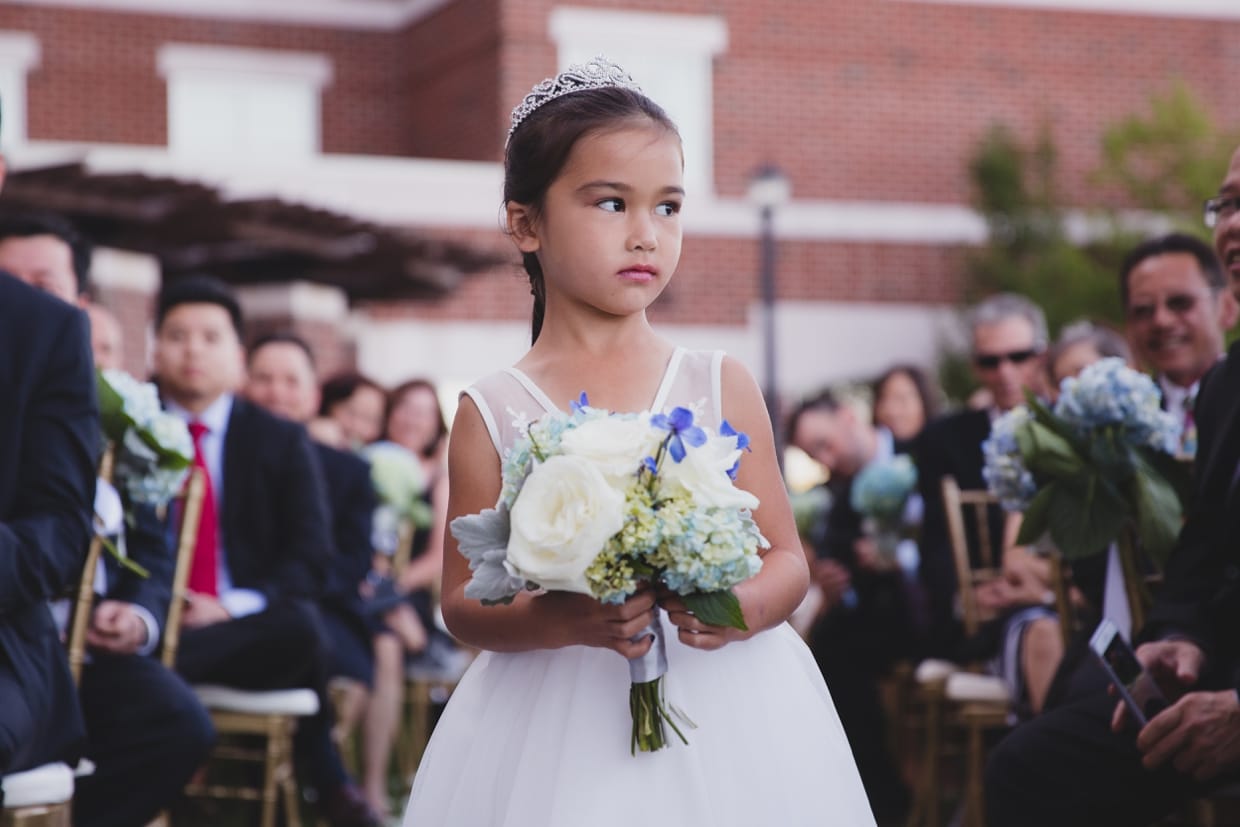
column 879, row 629
column 275, row 519
column 1200, row 596
column 149, row 544
column 352, row 500
column 950, row 446
column 49, row 445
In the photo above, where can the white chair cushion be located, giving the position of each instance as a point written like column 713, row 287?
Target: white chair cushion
column 931, row 670
column 84, row 768
column 298, row 702
column 966, row 686
column 48, row 784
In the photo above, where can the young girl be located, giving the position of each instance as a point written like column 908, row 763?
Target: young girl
column 537, row 733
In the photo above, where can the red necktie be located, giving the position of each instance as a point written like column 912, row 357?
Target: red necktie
column 202, row 571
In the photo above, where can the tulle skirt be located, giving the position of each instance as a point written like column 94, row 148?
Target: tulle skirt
column 541, row 739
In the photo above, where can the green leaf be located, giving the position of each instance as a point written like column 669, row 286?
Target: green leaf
column 1046, row 453
column 1085, row 514
column 1159, row 513
column 111, row 408
column 124, row 561
column 1036, row 521
column 717, row 609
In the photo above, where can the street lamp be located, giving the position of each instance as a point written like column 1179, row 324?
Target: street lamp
column 769, row 188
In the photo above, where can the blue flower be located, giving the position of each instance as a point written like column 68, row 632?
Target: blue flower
column 579, row 404
column 680, row 423
column 742, row 442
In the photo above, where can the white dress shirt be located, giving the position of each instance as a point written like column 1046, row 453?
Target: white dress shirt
column 237, row 602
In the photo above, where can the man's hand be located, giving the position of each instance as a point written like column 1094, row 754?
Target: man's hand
column 1174, row 665
column 1199, row 735
column 115, row 627
column 833, row 579
column 203, row 610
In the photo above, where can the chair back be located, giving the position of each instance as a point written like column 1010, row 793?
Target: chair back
column 404, row 546
column 962, row 509
column 84, row 599
column 187, row 535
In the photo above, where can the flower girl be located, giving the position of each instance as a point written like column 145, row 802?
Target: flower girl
column 538, row 730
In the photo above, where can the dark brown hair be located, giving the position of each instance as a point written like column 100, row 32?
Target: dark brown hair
column 342, row 386
column 928, row 394
column 398, row 393
column 540, row 146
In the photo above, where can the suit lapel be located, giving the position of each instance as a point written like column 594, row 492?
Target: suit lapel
column 236, row 445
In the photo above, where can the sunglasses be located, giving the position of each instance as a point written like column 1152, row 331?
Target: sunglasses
column 990, row 361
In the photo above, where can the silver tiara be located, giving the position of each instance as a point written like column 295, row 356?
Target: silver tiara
column 597, row 73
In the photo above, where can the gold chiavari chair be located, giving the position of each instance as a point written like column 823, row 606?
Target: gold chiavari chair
column 268, row 716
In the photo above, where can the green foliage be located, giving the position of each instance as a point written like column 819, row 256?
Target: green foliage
column 1170, row 159
column 1029, row 251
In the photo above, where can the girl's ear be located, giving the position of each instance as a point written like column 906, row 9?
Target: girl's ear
column 522, row 226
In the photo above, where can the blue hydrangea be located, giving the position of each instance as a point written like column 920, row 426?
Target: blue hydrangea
column 881, row 489
column 1004, row 470
column 1109, row 393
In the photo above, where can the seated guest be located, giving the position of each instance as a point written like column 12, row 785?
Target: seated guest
column 1079, row 345
column 107, row 340
column 281, row 378
column 1009, row 339
column 904, row 401
column 146, row 730
column 1101, row 767
column 47, row 399
column 265, row 538
column 865, row 623
column 357, row 404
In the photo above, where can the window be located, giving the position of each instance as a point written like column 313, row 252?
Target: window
column 225, row 101
column 670, row 57
column 19, row 53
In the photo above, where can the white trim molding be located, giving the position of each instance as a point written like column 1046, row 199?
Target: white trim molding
column 176, row 58
column 468, row 195
column 113, row 269
column 297, row 300
column 1189, row 9
column 680, row 32
column 19, row 50
column 377, row 15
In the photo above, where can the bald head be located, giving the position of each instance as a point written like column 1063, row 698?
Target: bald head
column 106, row 340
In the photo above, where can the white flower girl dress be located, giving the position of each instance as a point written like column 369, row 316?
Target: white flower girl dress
column 541, row 738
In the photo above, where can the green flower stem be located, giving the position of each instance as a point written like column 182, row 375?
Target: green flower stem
column 650, row 713
column 1139, row 596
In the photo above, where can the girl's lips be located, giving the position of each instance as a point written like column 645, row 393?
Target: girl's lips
column 639, row 274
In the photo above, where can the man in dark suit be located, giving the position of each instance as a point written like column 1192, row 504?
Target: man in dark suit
column 281, row 378
column 147, row 732
column 1178, row 311
column 250, row 616
column 865, row 625
column 1008, row 345
column 49, row 444
column 1081, row 763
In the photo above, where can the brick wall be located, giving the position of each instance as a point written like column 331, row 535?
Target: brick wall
column 97, row 79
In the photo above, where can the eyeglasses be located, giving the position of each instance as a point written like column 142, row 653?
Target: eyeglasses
column 990, row 361
column 1177, row 303
column 1220, row 208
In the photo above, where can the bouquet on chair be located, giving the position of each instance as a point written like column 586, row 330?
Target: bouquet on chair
column 399, row 483
column 1100, row 462
column 152, row 449
column 883, row 494
column 598, row 503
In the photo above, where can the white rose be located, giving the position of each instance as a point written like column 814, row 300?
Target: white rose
column 565, row 514
column 615, row 445
column 704, row 474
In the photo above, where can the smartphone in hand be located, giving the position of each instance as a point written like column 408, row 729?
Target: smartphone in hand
column 1133, row 681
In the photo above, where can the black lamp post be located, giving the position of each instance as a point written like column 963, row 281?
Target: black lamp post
column 768, row 189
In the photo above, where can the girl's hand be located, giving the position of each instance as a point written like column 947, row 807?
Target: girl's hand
column 587, row 622
column 693, row 632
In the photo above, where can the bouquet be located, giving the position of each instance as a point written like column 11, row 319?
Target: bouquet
column 153, row 448
column 399, row 483
column 598, row 503
column 1102, row 461
column 880, row 494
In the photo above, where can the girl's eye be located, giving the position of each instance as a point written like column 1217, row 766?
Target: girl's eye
column 667, row 208
column 611, row 205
